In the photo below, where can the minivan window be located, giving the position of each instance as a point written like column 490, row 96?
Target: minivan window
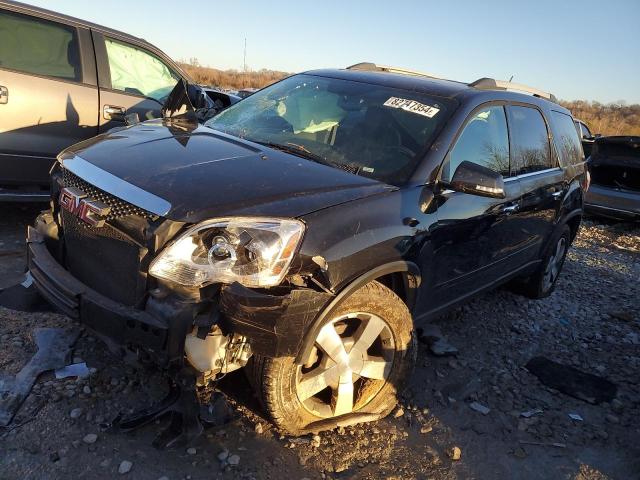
column 370, row 130
column 566, row 139
column 530, row 150
column 40, row 47
column 136, row 71
column 483, row 141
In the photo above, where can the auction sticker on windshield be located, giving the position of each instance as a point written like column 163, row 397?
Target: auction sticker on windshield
column 412, row 106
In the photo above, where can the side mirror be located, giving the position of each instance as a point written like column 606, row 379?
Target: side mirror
column 475, row 179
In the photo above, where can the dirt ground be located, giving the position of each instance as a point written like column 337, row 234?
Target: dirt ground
column 591, row 322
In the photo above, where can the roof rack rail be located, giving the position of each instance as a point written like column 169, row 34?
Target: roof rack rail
column 372, row 67
column 493, row 84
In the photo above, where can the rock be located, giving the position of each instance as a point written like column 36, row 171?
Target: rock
column 426, row 429
column 259, row 428
column 478, row 407
column 86, row 389
column 75, row 413
column 315, row 441
column 164, row 477
column 442, row 347
column 191, row 451
column 233, row 460
column 223, row 455
column 398, row 413
column 90, row 438
column 616, row 405
column 576, row 417
column 612, row 418
column 105, row 463
column 454, row 453
column 125, row 467
column 531, row 413
column 54, row 457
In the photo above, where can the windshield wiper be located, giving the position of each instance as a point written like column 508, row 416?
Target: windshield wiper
column 300, row 151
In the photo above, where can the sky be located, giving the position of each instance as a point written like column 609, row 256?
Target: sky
column 582, row 49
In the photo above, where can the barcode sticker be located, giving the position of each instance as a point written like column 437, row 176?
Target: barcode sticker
column 412, row 106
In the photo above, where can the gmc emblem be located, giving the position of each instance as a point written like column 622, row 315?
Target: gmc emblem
column 75, row 201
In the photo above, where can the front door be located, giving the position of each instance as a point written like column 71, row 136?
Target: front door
column 132, row 81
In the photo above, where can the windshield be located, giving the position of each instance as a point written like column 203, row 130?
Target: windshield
column 370, row 130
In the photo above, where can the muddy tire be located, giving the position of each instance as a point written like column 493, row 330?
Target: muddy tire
column 542, row 283
column 361, row 358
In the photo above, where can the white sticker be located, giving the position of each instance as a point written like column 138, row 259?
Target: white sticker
column 412, row 106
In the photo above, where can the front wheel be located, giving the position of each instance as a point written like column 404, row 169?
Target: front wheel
column 359, row 361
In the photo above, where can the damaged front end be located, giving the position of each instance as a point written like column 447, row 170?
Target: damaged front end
column 615, row 178
column 213, row 323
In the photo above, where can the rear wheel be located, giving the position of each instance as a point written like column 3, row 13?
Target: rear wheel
column 542, row 283
column 359, row 361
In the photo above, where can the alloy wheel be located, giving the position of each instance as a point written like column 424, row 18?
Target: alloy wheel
column 554, row 264
column 348, row 365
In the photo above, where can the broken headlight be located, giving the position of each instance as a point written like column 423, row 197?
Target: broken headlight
column 255, row 252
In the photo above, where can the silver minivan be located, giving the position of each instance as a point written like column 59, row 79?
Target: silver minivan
column 63, row 80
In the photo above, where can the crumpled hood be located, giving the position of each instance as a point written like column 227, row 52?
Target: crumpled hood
column 202, row 173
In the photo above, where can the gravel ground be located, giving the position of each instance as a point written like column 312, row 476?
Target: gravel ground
column 460, row 417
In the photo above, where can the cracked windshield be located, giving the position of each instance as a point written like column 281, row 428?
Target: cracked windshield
column 370, row 130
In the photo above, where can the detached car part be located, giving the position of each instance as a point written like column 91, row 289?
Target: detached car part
column 615, row 178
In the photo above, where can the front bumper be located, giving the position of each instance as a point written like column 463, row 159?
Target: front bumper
column 273, row 323
column 118, row 324
column 612, row 202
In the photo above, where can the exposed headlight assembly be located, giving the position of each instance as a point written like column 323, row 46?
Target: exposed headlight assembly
column 255, row 252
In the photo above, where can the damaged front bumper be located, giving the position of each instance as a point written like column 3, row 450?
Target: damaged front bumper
column 273, row 323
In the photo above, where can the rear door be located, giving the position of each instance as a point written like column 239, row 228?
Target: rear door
column 48, row 95
column 133, row 80
column 535, row 163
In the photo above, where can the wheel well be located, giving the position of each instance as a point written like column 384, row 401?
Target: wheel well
column 574, row 225
column 398, row 283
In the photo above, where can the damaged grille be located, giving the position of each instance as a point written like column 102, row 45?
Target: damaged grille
column 106, row 259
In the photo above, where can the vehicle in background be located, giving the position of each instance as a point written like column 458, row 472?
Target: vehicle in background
column 245, row 92
column 586, row 137
column 64, row 80
column 306, row 232
column 614, row 166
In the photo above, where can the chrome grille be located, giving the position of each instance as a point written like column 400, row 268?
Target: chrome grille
column 119, row 208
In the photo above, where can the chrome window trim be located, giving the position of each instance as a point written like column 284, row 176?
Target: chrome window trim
column 531, row 174
column 115, row 185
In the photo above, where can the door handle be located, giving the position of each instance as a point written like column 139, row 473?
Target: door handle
column 4, row 95
column 557, row 195
column 509, row 209
column 112, row 112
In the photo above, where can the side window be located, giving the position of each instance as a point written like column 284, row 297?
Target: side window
column 530, row 150
column 585, row 133
column 483, row 141
column 40, row 47
column 566, row 140
column 137, row 71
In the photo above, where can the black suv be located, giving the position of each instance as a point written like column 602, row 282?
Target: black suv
column 308, row 230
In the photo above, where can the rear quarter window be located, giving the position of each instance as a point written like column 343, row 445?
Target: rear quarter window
column 40, row 47
column 566, row 139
